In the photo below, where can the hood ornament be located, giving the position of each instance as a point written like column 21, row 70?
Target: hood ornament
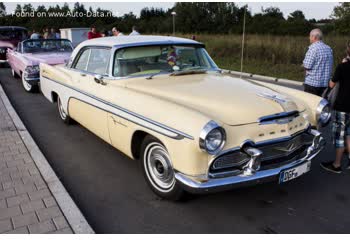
column 274, row 97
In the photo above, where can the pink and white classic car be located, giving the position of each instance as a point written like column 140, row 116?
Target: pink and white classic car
column 26, row 58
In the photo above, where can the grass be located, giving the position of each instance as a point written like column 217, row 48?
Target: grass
column 277, row 56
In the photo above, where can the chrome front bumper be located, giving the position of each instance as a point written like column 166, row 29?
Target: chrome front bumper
column 3, row 61
column 221, row 184
column 33, row 80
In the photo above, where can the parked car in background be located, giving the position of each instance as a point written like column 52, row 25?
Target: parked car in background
column 25, row 59
column 9, row 38
column 164, row 102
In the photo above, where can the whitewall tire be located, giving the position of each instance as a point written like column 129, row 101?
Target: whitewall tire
column 27, row 86
column 158, row 170
column 63, row 115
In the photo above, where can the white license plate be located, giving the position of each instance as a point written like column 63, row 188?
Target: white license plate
column 293, row 173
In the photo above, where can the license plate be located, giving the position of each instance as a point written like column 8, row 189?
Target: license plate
column 293, row 173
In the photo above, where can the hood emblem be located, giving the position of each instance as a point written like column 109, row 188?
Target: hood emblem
column 274, row 97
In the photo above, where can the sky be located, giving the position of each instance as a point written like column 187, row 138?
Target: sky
column 317, row 10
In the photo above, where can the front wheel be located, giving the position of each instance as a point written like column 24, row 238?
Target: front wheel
column 27, row 86
column 158, row 170
column 63, row 115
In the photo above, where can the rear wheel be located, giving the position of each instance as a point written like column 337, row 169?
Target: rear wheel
column 158, row 170
column 63, row 115
column 27, row 86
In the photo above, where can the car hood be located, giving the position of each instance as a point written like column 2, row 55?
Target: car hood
column 48, row 58
column 232, row 101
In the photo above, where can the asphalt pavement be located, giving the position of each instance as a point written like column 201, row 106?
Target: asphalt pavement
column 109, row 188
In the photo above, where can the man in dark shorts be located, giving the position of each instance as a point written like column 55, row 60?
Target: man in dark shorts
column 341, row 123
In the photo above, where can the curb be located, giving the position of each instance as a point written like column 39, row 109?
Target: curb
column 70, row 210
column 262, row 78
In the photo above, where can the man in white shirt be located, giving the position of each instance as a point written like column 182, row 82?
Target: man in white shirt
column 134, row 31
column 116, row 32
column 35, row 35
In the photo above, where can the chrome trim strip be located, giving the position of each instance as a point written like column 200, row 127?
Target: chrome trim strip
column 274, row 118
column 32, row 79
column 179, row 135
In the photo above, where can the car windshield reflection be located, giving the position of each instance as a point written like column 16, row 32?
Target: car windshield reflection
column 153, row 60
column 47, row 45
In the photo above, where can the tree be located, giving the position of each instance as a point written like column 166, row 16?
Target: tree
column 2, row 9
column 28, row 8
column 296, row 15
column 341, row 14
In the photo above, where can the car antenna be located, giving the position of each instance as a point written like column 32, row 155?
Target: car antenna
column 243, row 39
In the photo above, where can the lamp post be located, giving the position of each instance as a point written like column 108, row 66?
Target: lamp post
column 174, row 14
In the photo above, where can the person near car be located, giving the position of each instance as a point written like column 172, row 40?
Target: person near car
column 134, row 32
column 53, row 34
column 341, row 121
column 94, row 33
column 116, row 32
column 318, row 64
column 35, row 35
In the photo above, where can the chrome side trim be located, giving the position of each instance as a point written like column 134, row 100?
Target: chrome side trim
column 176, row 134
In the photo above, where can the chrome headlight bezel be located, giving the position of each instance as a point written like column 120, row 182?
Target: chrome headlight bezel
column 32, row 70
column 323, row 112
column 208, row 129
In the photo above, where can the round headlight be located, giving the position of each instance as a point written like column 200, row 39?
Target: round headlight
column 323, row 113
column 212, row 138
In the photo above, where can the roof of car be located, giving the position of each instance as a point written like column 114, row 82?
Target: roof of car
column 13, row 27
column 140, row 40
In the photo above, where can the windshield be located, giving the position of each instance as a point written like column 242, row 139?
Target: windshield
column 47, row 45
column 155, row 59
column 10, row 34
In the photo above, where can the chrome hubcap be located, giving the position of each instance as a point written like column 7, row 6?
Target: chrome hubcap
column 158, row 166
column 26, row 85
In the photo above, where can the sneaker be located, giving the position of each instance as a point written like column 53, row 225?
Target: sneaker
column 328, row 166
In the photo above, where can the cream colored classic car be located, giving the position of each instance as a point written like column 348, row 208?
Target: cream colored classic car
column 164, row 102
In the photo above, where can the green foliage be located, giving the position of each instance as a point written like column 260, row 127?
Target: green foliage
column 191, row 18
column 2, row 9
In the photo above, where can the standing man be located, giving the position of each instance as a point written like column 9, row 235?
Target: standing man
column 134, row 31
column 318, row 64
column 116, row 32
column 93, row 33
column 35, row 35
column 341, row 122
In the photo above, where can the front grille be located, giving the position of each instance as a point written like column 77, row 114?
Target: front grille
column 274, row 154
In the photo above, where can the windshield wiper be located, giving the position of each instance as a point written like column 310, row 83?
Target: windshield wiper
column 188, row 72
column 154, row 74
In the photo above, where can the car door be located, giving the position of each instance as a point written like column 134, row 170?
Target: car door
column 86, row 106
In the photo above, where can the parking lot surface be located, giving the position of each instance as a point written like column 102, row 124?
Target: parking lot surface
column 110, row 190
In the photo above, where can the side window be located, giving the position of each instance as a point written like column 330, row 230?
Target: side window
column 81, row 64
column 99, row 61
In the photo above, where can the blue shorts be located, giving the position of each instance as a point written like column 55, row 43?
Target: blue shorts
column 341, row 128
